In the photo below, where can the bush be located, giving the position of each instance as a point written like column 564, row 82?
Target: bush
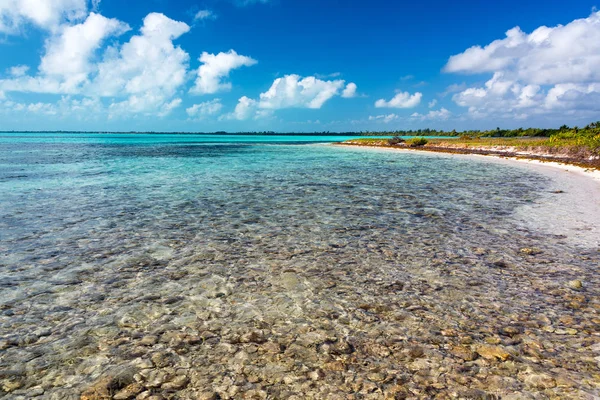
column 417, row 142
column 395, row 141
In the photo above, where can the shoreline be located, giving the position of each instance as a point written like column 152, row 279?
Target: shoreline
column 570, row 206
column 591, row 170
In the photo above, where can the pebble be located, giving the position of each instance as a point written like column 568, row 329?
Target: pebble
column 575, row 284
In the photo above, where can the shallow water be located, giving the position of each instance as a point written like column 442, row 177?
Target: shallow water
column 265, row 267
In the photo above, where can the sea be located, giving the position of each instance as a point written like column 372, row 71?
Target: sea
column 281, row 266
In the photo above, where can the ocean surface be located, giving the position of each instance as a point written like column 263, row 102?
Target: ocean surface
column 274, row 267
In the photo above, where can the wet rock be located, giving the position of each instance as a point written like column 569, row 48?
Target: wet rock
column 530, row 251
column 10, row 385
column 177, row 383
column 464, row 353
column 149, row 340
column 253, row 337
column 129, row 392
column 540, row 381
column 575, row 284
column 492, row 352
column 162, row 359
column 510, row 330
column 101, row 390
column 209, row 395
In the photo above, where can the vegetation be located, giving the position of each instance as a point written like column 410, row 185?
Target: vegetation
column 396, row 140
column 417, row 142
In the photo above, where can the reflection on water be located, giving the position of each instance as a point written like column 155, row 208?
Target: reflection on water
column 268, row 270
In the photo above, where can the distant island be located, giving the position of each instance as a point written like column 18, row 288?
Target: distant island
column 590, row 131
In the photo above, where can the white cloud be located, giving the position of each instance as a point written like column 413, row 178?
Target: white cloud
column 166, row 108
column 217, row 67
column 290, row 91
column 66, row 64
column 401, row 100
column 294, row 91
column 81, row 109
column 2, row 95
column 350, row 91
column 68, row 55
column 432, row 103
column 245, row 108
column 205, row 109
column 46, row 14
column 552, row 69
column 204, row 14
column 148, row 68
column 384, row 118
column 441, row 114
column 19, row 70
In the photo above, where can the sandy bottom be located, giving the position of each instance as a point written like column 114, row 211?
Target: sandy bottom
column 570, row 209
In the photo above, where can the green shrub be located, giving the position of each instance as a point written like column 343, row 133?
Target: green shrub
column 417, row 142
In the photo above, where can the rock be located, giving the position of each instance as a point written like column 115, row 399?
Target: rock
column 575, row 284
column 149, row 340
column 531, row 251
column 464, row 353
column 210, row 395
column 540, row 381
column 162, row 359
column 253, row 337
column 316, row 375
column 101, row 390
column 177, row 383
column 492, row 352
column 416, row 352
column 129, row 392
column 156, row 378
column 376, row 377
column 511, row 330
column 10, row 385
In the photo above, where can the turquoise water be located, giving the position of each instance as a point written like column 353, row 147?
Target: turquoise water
column 109, row 238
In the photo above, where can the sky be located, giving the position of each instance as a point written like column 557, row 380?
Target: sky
column 297, row 65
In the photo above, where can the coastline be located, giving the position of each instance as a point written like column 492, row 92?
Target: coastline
column 560, row 211
column 494, row 151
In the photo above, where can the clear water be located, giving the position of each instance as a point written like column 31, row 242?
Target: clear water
column 107, row 238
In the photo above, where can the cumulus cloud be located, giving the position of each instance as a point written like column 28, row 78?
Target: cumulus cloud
column 350, row 91
column 432, row 103
column 245, row 108
column 68, row 55
column 204, row 14
column 205, row 109
column 290, row 91
column 149, row 67
column 294, row 91
column 66, row 64
column 46, row 14
column 441, row 114
column 215, row 68
column 384, row 118
column 548, row 70
column 401, row 100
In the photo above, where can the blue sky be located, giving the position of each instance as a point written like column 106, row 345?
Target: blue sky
column 291, row 65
